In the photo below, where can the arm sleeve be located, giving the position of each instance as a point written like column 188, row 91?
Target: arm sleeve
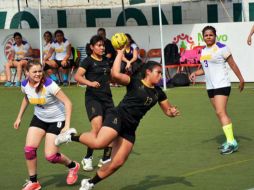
column 161, row 95
column 226, row 52
column 53, row 88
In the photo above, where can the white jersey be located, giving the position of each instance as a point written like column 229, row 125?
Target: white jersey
column 46, row 106
column 213, row 60
column 60, row 49
column 46, row 48
column 20, row 51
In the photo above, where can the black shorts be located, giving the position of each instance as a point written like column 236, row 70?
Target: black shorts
column 225, row 91
column 114, row 120
column 96, row 107
column 58, row 62
column 54, row 128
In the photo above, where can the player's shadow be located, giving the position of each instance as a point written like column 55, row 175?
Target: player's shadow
column 221, row 139
column 149, row 182
column 59, row 180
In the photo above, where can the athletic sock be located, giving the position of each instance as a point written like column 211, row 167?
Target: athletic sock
column 65, row 77
column 75, row 138
column 71, row 165
column 228, row 131
column 89, row 153
column 95, row 179
column 107, row 153
column 53, row 77
column 33, row 178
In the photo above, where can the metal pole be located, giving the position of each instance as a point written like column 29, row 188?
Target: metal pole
column 124, row 16
column 19, row 12
column 40, row 31
column 162, row 50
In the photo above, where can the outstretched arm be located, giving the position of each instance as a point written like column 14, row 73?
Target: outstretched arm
column 117, row 76
column 169, row 109
column 22, row 110
column 236, row 70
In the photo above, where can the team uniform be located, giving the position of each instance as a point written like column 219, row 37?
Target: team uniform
column 138, row 100
column 61, row 51
column 46, row 49
column 213, row 60
column 49, row 112
column 97, row 100
column 21, row 51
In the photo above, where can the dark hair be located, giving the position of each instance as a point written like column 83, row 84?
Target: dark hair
column 148, row 66
column 49, row 33
column 101, row 29
column 94, row 39
column 59, row 32
column 209, row 28
column 17, row 34
column 43, row 79
column 130, row 38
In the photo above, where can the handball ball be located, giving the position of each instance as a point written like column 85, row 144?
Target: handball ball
column 119, row 40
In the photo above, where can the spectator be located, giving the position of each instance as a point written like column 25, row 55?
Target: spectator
column 21, row 52
column 48, row 38
column 131, row 60
column 110, row 52
column 62, row 48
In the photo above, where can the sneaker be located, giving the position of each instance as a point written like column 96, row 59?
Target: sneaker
column 87, row 164
column 229, row 148
column 18, row 84
column 72, row 176
column 101, row 162
column 222, row 145
column 31, row 186
column 65, row 83
column 8, row 84
column 85, row 185
column 65, row 137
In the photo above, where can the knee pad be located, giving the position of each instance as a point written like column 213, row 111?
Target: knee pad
column 30, row 152
column 55, row 158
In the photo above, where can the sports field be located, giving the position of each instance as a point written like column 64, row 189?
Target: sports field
column 177, row 154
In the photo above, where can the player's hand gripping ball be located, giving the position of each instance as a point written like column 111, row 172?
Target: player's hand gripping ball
column 119, row 40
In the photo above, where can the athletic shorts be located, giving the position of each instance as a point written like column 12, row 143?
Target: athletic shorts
column 96, row 107
column 114, row 120
column 225, row 91
column 54, row 128
column 58, row 62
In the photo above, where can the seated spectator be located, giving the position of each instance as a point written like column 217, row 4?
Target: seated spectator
column 62, row 48
column 48, row 38
column 110, row 52
column 21, row 52
column 131, row 60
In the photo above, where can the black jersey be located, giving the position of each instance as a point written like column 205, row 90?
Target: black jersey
column 137, row 101
column 97, row 71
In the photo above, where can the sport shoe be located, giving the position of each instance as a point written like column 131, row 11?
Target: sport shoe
column 72, row 176
column 222, row 145
column 31, row 186
column 8, row 84
column 65, row 83
column 65, row 137
column 87, row 164
column 229, row 148
column 101, row 162
column 85, row 185
column 18, row 84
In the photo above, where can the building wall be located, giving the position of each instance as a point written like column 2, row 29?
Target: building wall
column 98, row 13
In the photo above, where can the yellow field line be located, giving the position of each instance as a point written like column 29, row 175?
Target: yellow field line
column 215, row 168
